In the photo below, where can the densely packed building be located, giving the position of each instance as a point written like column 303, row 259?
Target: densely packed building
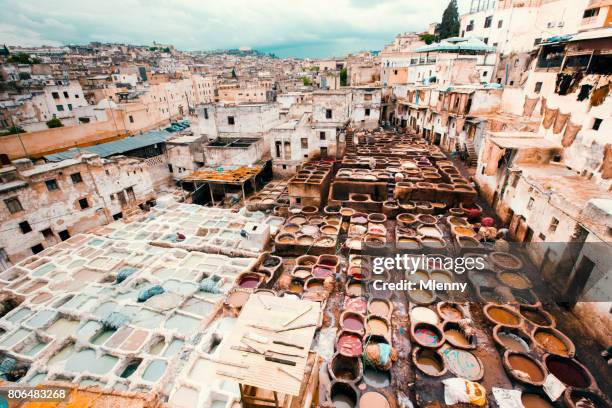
column 212, row 178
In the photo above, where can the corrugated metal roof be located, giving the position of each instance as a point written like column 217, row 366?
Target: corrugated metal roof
column 115, row 147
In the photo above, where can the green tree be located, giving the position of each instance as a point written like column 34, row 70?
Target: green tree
column 343, row 77
column 449, row 27
column 428, row 38
column 306, row 81
column 54, row 123
column 23, row 58
column 12, row 130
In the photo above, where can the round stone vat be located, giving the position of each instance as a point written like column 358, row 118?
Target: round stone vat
column 524, row 368
column 343, row 368
column 502, row 315
column 429, row 361
column 427, row 335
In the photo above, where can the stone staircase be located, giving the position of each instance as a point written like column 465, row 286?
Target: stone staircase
column 472, row 159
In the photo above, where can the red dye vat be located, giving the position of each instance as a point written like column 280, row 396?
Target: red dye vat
column 350, row 345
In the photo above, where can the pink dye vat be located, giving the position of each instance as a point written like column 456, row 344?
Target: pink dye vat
column 356, row 304
column 426, row 336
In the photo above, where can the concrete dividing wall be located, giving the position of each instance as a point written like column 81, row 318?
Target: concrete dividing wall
column 48, row 141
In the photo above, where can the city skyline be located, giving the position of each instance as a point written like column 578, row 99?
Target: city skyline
column 299, row 30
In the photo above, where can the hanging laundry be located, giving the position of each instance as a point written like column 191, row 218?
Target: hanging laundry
column 585, row 92
column 543, row 106
column 560, row 122
column 575, row 82
column 529, row 106
column 606, row 165
column 599, row 95
column 571, row 130
column 563, row 83
column 549, row 117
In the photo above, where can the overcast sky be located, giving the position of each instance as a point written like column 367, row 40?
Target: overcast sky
column 300, row 28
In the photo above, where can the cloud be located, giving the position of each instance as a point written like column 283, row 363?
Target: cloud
column 341, row 25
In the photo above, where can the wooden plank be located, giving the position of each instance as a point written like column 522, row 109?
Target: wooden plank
column 259, row 372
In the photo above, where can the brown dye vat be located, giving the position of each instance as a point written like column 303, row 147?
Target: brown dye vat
column 467, row 242
column 354, row 289
column 359, row 197
column 457, row 221
column 298, row 220
column 373, row 399
column 343, row 395
column 352, row 321
column 296, row 286
column 418, row 276
column 537, row 316
column 427, row 219
column 456, row 336
column 524, row 368
column 332, row 221
column 450, row 311
column 506, row 261
column 512, row 339
column 575, row 398
column 315, row 284
column 429, row 361
column 406, row 219
column 349, row 344
column 525, row 297
column 377, row 217
column 310, row 210
column 377, row 326
column 463, row 231
column 442, row 276
column 535, row 401
column 345, row 368
column 285, row 238
column 514, row 280
column 379, row 307
column 502, row 315
column 306, row 260
column 317, row 220
column 553, row 342
column 457, row 212
column 569, row 371
column 329, row 230
column 421, row 297
column 304, row 240
column 331, row 210
column 347, row 212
